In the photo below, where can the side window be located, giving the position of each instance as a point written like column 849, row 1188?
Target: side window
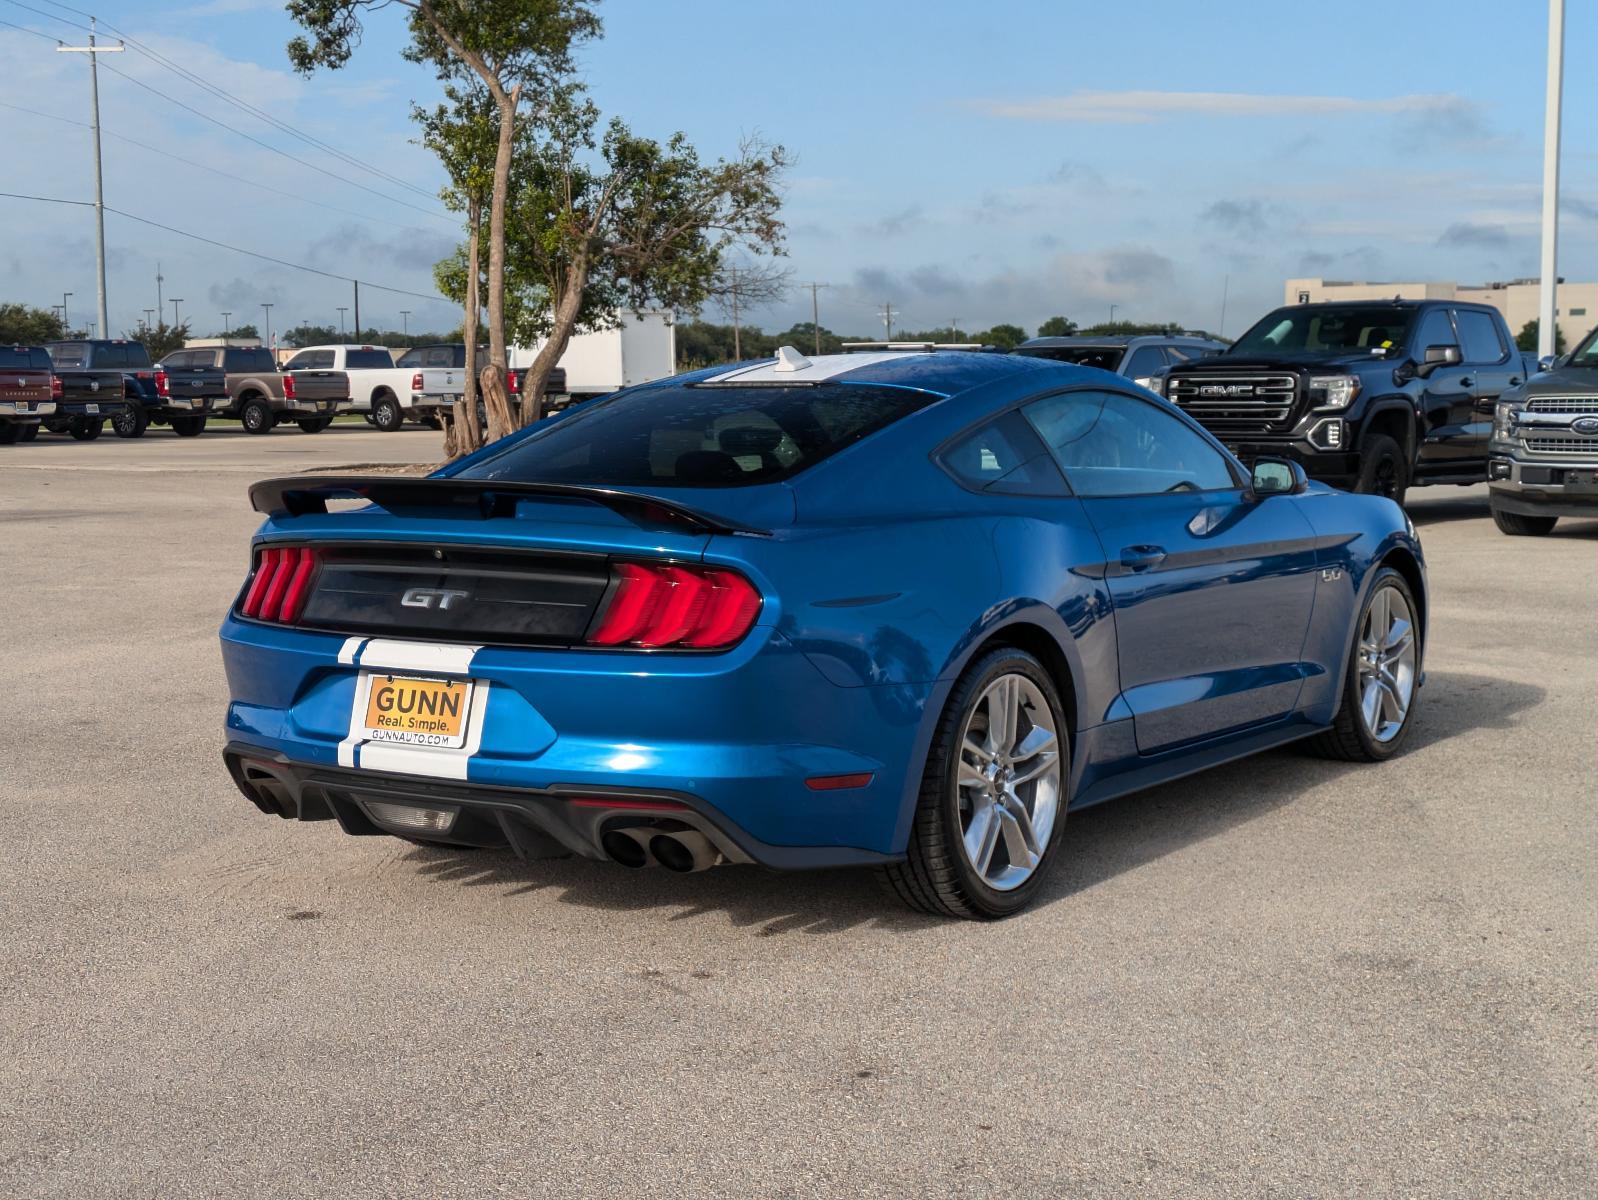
column 1110, row 444
column 321, row 360
column 183, row 358
column 1435, row 330
column 1004, row 455
column 300, row 362
column 440, row 356
column 1145, row 362
column 1479, row 334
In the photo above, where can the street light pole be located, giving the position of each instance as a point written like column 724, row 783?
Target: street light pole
column 267, row 309
column 227, row 327
column 405, row 322
column 66, row 326
column 1547, row 329
column 94, row 52
column 341, row 311
column 176, row 300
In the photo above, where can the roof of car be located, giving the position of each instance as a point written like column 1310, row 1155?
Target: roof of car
column 1089, row 341
column 944, row 372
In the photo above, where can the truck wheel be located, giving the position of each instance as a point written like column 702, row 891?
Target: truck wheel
column 1383, row 678
column 188, row 426
column 1382, row 470
column 1517, row 525
column 257, row 416
column 29, row 432
column 314, row 424
column 131, row 422
column 386, row 414
column 10, row 434
column 86, row 429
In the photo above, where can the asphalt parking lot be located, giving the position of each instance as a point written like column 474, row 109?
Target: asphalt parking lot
column 1286, row 977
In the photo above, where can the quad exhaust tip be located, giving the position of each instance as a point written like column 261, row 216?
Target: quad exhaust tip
column 683, row 850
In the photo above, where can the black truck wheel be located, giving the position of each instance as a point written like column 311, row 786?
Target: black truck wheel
column 314, row 424
column 1520, row 525
column 1382, row 469
column 29, row 432
column 131, row 422
column 257, row 416
column 10, row 433
column 188, row 426
column 386, row 414
column 86, row 429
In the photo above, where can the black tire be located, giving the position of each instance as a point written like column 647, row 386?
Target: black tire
column 257, row 416
column 387, row 414
column 86, row 429
column 937, row 876
column 1520, row 525
column 29, row 432
column 1382, row 469
column 192, row 426
column 1348, row 739
column 431, row 420
column 132, row 421
column 313, row 424
column 10, row 433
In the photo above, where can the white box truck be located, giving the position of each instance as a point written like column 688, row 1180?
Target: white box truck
column 642, row 348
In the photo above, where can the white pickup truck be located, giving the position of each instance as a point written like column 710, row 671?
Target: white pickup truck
column 378, row 388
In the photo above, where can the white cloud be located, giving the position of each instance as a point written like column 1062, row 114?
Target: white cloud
column 1139, row 107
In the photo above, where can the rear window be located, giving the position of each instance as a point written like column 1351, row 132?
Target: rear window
column 687, row 436
column 26, row 358
column 1105, row 358
column 70, row 354
column 239, row 360
column 366, row 360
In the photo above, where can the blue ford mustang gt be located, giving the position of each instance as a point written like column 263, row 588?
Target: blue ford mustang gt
column 899, row 609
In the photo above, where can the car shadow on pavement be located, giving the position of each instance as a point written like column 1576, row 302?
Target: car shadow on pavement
column 1102, row 842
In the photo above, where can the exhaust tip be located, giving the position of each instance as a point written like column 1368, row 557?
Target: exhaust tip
column 671, row 854
column 623, row 849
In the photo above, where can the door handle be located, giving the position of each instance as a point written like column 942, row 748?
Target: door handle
column 1467, row 381
column 1142, row 558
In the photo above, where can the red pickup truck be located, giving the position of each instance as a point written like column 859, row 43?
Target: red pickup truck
column 28, row 390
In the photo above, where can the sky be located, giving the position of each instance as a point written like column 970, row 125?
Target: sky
column 997, row 164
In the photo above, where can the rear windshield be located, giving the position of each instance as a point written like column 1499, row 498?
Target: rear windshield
column 23, row 358
column 365, row 360
column 241, row 359
column 70, row 354
column 1106, row 358
column 687, row 436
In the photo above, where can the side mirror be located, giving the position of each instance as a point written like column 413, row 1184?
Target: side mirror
column 1276, row 477
column 1438, row 356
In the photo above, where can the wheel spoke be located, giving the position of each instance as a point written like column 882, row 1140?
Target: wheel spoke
column 1001, row 716
column 1037, row 740
column 971, row 776
column 1371, row 704
column 1399, row 635
column 982, row 835
column 1019, row 841
column 1041, row 765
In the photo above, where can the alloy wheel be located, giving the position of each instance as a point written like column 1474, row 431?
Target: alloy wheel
column 1387, row 655
column 1009, row 781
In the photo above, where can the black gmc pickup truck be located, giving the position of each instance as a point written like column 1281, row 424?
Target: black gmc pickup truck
column 1374, row 396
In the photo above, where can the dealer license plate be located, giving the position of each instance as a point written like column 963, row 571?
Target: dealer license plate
column 418, row 712
column 91, row 408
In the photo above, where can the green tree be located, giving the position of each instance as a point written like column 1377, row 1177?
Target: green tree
column 311, row 335
column 239, row 331
column 24, row 325
column 1005, row 337
column 1057, row 327
column 1132, row 328
column 1527, row 339
column 159, row 339
column 512, row 49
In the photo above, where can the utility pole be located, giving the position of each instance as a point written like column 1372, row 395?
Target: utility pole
column 176, row 300
column 815, row 310
column 737, row 333
column 405, row 323
column 159, row 280
column 954, row 329
column 66, row 326
column 342, row 309
column 1548, row 309
column 1113, row 307
column 1226, row 287
column 94, row 51
column 267, row 309
column 887, row 320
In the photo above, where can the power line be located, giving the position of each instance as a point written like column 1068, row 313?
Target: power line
column 282, row 262
column 253, row 183
column 25, row 29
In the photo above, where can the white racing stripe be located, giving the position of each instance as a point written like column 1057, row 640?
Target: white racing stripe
column 378, row 654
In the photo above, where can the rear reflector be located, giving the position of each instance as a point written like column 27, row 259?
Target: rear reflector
column 280, row 585
column 654, row 606
column 834, row 783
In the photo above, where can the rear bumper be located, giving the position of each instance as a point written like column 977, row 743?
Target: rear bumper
column 26, row 411
column 734, row 737
column 89, row 408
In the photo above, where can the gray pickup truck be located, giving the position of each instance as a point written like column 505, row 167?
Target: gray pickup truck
column 260, row 396
column 1543, row 456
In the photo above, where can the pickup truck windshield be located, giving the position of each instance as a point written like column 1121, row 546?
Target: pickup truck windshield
column 1310, row 330
column 366, row 360
column 687, row 436
column 23, row 359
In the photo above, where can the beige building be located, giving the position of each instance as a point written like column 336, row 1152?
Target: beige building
column 1517, row 299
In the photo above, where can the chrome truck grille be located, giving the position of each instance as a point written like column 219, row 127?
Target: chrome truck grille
column 1563, row 404
column 1567, row 447
column 1236, row 404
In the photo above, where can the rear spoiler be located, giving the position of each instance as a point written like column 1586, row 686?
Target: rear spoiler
column 297, row 495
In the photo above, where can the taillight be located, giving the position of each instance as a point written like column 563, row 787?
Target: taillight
column 513, row 381
column 655, row 606
column 416, row 382
column 163, row 386
column 288, row 387
column 55, row 387
column 280, row 585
